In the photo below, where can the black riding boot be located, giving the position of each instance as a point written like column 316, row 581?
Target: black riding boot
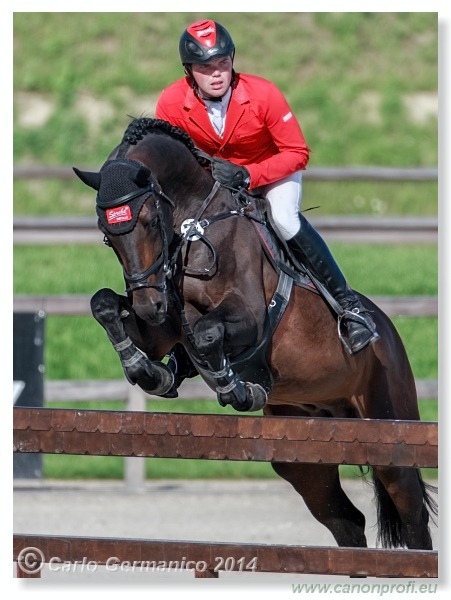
column 311, row 250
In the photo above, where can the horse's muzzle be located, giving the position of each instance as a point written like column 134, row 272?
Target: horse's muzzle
column 150, row 305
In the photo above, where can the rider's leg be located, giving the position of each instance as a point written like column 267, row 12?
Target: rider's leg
column 311, row 250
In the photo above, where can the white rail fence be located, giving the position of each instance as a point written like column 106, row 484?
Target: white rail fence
column 351, row 229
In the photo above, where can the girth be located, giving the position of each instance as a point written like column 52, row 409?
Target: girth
column 251, row 364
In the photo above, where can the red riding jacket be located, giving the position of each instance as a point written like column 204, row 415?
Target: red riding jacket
column 260, row 132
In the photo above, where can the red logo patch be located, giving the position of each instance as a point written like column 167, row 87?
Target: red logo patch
column 119, row 214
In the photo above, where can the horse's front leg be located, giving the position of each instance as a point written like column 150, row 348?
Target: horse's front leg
column 113, row 312
column 231, row 325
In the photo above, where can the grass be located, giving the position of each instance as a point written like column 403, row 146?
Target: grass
column 372, row 269
column 372, row 198
column 66, row 338
column 349, row 77
column 69, row 356
column 376, row 198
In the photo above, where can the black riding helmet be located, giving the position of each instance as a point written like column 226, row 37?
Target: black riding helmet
column 204, row 41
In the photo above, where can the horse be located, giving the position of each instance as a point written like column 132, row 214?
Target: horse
column 199, row 277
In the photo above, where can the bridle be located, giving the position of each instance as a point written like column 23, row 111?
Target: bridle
column 138, row 281
column 162, row 263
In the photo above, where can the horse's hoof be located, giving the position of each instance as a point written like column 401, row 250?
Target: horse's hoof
column 171, row 393
column 255, row 399
column 152, row 377
column 244, row 396
column 257, row 395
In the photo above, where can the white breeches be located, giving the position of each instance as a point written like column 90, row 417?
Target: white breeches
column 284, row 197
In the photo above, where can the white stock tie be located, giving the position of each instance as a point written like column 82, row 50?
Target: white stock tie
column 217, row 119
column 217, row 111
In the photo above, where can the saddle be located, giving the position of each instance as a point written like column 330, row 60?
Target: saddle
column 276, row 249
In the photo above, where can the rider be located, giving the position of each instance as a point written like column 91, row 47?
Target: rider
column 246, row 125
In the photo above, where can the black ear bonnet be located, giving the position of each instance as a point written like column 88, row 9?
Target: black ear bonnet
column 124, row 187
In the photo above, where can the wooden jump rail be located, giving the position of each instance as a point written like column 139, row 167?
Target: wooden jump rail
column 212, row 558
column 228, row 437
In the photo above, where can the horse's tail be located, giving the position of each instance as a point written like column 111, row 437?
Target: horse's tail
column 390, row 533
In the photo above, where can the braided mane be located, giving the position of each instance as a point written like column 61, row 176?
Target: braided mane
column 138, row 128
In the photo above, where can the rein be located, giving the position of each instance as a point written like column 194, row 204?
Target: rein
column 166, row 262
column 192, row 228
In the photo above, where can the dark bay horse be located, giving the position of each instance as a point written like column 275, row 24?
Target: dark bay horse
column 210, row 289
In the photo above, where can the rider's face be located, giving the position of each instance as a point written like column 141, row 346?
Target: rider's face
column 213, row 78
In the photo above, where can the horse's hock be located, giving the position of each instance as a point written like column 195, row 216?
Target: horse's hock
column 228, row 437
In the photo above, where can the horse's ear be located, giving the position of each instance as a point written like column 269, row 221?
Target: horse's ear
column 89, row 178
column 141, row 176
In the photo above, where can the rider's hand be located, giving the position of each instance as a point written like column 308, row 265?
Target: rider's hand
column 229, row 174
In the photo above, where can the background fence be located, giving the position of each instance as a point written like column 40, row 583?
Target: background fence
column 380, row 230
column 347, row 228
column 313, row 173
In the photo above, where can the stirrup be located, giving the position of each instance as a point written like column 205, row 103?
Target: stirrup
column 356, row 317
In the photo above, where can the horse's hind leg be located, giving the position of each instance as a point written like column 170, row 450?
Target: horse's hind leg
column 111, row 310
column 403, row 500
column 320, row 487
column 403, row 507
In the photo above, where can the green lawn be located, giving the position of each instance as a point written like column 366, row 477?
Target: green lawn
column 356, row 81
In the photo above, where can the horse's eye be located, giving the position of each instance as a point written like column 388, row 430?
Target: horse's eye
column 154, row 223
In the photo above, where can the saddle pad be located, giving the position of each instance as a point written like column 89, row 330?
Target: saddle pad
column 272, row 247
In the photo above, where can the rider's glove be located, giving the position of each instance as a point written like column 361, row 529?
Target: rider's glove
column 229, row 174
